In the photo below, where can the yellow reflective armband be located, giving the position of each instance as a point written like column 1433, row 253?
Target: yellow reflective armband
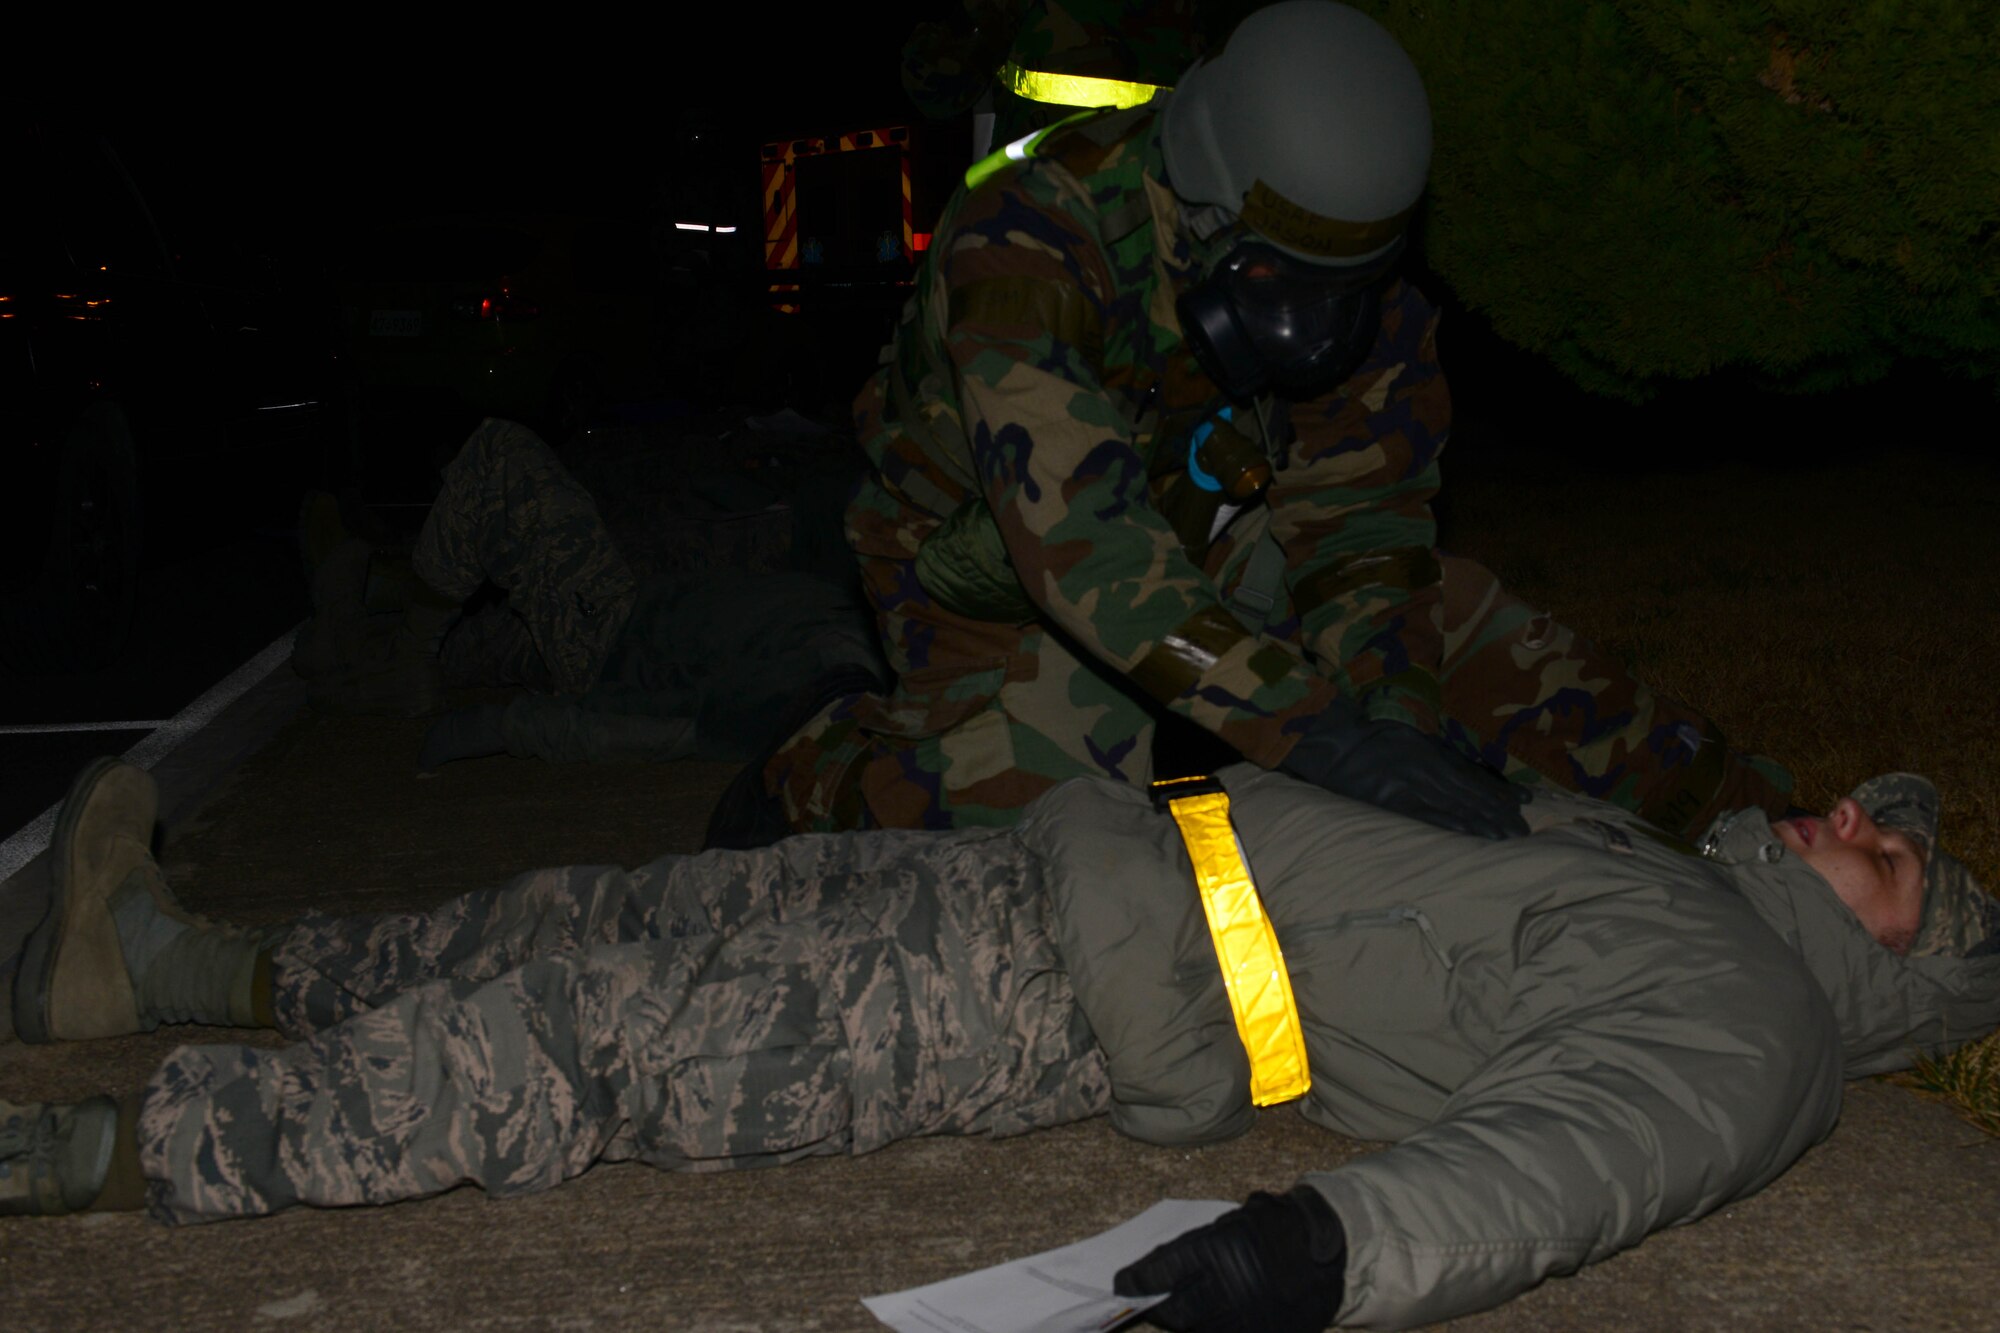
column 1246, row 947
column 1021, row 150
column 1074, row 89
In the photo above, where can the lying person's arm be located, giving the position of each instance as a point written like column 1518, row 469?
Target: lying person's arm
column 1599, row 1121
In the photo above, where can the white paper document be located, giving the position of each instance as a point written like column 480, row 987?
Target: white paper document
column 1058, row 1291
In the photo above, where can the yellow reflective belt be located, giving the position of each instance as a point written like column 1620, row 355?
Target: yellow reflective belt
column 1074, row 89
column 1253, row 967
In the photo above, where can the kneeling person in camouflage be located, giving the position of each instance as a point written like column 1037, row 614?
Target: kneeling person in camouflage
column 1576, row 1036
column 1155, row 446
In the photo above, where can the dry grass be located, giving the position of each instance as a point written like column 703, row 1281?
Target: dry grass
column 1968, row 1079
column 1842, row 618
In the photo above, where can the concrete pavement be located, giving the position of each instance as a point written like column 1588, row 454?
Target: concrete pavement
column 1893, row 1223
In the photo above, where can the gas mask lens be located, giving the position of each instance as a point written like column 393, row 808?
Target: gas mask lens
column 1265, row 320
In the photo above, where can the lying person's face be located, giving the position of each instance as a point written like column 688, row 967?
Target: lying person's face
column 1878, row 872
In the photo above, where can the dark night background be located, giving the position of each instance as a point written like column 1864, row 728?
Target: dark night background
column 552, row 117
column 290, row 166
column 283, row 154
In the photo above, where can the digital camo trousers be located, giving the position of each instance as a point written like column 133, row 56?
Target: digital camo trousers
column 826, row 995
column 1528, row 696
column 510, row 514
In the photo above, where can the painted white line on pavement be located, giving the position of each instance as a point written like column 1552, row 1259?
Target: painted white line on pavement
column 53, row 728
column 28, row 841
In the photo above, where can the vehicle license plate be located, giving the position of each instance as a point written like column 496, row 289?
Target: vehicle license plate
column 395, row 323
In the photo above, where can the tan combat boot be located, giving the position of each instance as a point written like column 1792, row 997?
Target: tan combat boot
column 73, row 982
column 335, row 638
column 116, row 952
column 55, row 1158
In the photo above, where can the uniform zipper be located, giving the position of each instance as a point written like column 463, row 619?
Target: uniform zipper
column 1388, row 916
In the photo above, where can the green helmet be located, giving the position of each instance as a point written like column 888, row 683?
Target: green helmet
column 1311, row 126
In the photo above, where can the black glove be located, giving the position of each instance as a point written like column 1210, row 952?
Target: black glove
column 1278, row 1263
column 463, row 733
column 1405, row 770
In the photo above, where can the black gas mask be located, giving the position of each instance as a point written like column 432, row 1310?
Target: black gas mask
column 1263, row 319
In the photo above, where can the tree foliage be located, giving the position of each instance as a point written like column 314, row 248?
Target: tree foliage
column 1649, row 190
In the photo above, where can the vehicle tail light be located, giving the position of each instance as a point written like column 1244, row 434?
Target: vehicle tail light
column 494, row 305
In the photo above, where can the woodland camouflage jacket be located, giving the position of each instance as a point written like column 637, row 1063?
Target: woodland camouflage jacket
column 1040, row 393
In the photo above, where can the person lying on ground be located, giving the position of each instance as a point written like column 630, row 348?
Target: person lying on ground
column 712, row 664
column 1576, row 1037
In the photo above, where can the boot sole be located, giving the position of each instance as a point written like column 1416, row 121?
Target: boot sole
column 38, row 956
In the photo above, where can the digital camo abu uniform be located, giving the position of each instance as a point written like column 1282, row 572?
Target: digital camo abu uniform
column 616, row 665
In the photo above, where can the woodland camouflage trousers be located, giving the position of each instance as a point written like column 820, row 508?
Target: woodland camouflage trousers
column 733, row 1009
column 1019, row 711
column 1541, row 703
